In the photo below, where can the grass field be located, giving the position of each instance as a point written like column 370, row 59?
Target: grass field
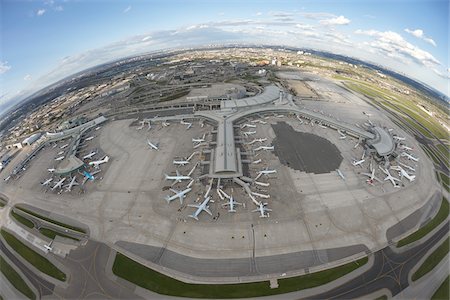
column 442, row 292
column 433, row 223
column 432, row 261
column 22, row 220
column 52, row 221
column 52, row 234
column 38, row 261
column 443, row 149
column 15, row 279
column 149, row 279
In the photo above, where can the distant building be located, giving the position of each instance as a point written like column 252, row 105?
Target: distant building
column 31, row 139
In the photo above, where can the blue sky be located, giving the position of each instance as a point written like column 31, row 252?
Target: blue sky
column 44, row 41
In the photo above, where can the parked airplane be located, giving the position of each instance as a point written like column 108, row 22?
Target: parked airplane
column 266, row 172
column 261, row 183
column 51, row 170
column 300, row 120
column 89, row 176
column 97, row 128
column 97, row 163
column 260, row 140
column 247, row 133
column 267, row 148
column 403, row 173
column 408, row 167
column 367, row 114
column 59, row 158
column 340, row 174
column 60, row 152
column 49, row 246
column 165, row 123
column 262, row 209
column 371, row 177
column 342, row 135
column 89, row 138
column 409, row 156
column 399, row 138
column 46, row 182
column 202, row 207
column 265, row 196
column 257, row 161
column 177, row 178
column 199, row 140
column 59, row 184
column 189, row 125
column 180, row 162
column 90, row 155
column 231, row 204
column 358, row 162
column 404, row 147
column 199, row 145
column 153, row 146
column 391, row 178
column 64, row 146
column 248, row 125
column 72, row 183
column 178, row 194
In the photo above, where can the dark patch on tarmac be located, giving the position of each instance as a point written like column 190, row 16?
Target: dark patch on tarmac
column 305, row 152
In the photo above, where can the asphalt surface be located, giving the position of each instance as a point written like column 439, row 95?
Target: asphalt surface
column 305, row 152
column 43, row 286
column 390, row 270
column 238, row 266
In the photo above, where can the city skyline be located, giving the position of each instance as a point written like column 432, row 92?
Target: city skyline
column 45, row 41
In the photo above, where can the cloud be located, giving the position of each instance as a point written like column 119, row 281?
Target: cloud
column 317, row 15
column 442, row 75
column 281, row 14
column 40, row 12
column 341, row 20
column 259, row 13
column 418, row 33
column 4, row 67
column 27, row 77
column 127, row 9
column 393, row 45
column 146, row 38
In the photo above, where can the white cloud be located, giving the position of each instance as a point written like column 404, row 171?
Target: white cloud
column 341, row 20
column 259, row 13
column 418, row 33
column 127, row 9
column 4, row 67
column 27, row 77
column 40, row 12
column 393, row 45
column 440, row 74
column 58, row 8
column 146, row 38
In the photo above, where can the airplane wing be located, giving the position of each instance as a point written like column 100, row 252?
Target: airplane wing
column 208, row 211
column 255, row 210
column 194, row 205
column 173, row 190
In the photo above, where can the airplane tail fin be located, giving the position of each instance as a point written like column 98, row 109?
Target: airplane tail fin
column 167, row 198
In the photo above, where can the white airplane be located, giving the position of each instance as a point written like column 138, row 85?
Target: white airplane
column 367, row 114
column 399, row 138
column 202, row 207
column 266, row 172
column 404, row 147
column 260, row 140
column 89, row 138
column 178, row 194
column 402, row 173
column 231, row 204
column 247, row 133
column 165, row 123
column 97, row 163
column 265, row 196
column 97, row 128
column 149, row 126
column 60, row 153
column 90, row 155
column 59, row 184
column 177, row 178
column 409, row 156
column 261, row 183
column 59, row 158
column 340, row 174
column 54, row 146
column 342, row 135
column 248, row 125
column 257, row 161
column 64, row 146
column 142, row 125
column 49, row 246
column 180, row 162
column 358, row 162
column 7, row 178
column 72, row 183
column 46, row 182
column 51, row 170
column 300, row 120
column 391, row 178
column 267, row 148
column 153, row 146
column 262, row 209
column 371, row 177
column 199, row 145
column 408, row 167
column 199, row 140
column 189, row 125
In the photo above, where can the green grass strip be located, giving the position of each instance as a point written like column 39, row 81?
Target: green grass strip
column 22, row 220
column 432, row 260
column 149, row 279
column 433, row 223
column 52, row 234
column 442, row 292
column 15, row 279
column 51, row 221
column 38, row 261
